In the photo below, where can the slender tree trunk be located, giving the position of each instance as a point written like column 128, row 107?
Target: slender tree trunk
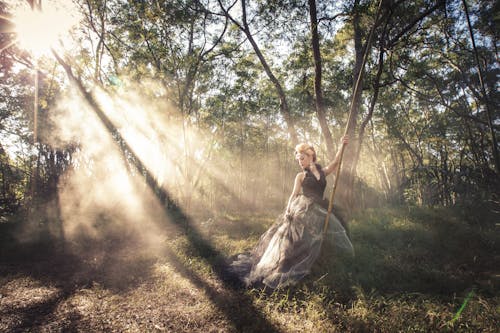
column 284, row 109
column 376, row 88
column 397, row 176
column 494, row 144
column 242, row 152
column 347, row 175
column 385, row 181
column 99, row 50
column 320, row 108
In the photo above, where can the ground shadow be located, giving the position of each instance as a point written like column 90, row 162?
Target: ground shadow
column 66, row 269
column 33, row 314
column 113, row 261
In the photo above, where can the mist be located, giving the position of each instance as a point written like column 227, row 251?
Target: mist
column 105, row 195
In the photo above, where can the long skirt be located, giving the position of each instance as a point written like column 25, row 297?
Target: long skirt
column 287, row 250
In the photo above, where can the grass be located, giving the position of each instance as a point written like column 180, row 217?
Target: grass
column 413, row 271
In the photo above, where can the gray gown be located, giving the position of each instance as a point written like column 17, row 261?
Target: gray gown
column 287, row 250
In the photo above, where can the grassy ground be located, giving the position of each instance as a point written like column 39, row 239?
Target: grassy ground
column 415, row 270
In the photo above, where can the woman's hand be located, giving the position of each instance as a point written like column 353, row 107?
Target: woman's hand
column 331, row 167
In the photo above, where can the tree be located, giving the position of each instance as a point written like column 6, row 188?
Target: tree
column 245, row 28
column 320, row 111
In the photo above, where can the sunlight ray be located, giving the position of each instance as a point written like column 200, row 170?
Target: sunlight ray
column 8, row 46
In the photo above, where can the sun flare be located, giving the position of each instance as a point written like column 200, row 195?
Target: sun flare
column 38, row 31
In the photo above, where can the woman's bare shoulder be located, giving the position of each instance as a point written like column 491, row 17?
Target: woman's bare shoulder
column 300, row 176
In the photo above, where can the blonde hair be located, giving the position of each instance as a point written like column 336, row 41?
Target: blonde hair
column 305, row 148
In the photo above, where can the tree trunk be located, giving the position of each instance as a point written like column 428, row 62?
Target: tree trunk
column 376, row 88
column 284, row 109
column 494, row 148
column 320, row 108
column 347, row 175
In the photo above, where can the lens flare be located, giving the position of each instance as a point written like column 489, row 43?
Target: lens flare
column 37, row 31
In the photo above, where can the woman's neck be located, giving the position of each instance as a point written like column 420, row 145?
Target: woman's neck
column 311, row 167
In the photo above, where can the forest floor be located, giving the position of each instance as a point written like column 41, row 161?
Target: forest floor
column 415, row 270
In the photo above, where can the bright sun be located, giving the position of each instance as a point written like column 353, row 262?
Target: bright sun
column 40, row 30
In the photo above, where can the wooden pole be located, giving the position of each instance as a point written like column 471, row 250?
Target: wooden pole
column 356, row 88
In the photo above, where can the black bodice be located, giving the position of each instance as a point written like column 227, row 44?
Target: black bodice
column 312, row 187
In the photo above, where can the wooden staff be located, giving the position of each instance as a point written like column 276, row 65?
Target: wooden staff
column 356, row 88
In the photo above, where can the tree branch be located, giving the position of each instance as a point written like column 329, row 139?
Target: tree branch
column 395, row 39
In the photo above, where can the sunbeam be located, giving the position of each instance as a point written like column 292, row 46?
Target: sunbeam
column 182, row 159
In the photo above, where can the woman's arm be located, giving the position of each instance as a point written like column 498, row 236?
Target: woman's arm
column 296, row 189
column 333, row 165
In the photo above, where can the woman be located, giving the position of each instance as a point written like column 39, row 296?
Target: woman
column 287, row 250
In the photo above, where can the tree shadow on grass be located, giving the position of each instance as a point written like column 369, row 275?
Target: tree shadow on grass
column 68, row 268
column 115, row 262
column 69, row 272
column 35, row 313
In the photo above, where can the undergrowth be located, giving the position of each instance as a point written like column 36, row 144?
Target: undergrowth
column 412, row 271
column 415, row 270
